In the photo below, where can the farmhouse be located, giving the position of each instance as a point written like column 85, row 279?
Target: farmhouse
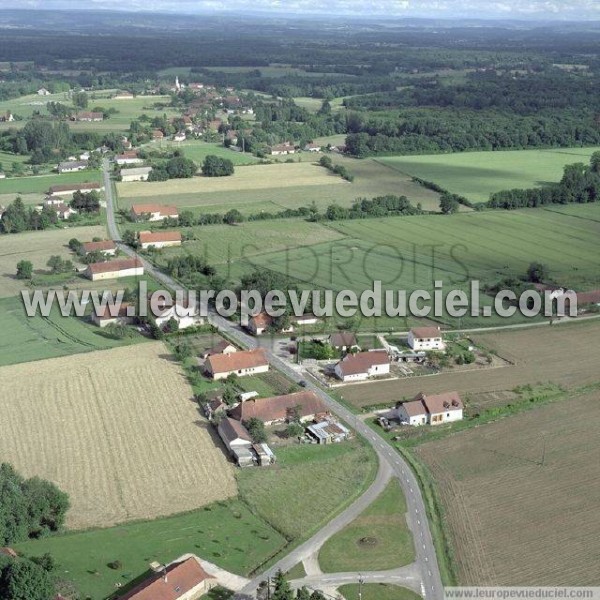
column 89, row 116
column 157, row 135
column 186, row 314
column 282, row 149
column 214, row 405
column 116, row 315
column 431, row 410
column 43, row 92
column 343, row 341
column 307, row 319
column 72, row 166
column 159, row 239
column 153, row 212
column 588, row 298
column 426, row 338
column 70, row 188
column 223, row 347
column 179, row 137
column 259, row 324
column 361, row 366
column 129, row 267
column 107, row 247
column 305, row 405
column 183, row 579
column 129, row 157
column 63, row 212
column 136, row 174
column 249, row 362
column 328, row 431
column 238, row 441
column 312, row 147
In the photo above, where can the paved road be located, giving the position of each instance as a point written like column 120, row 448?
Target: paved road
column 391, row 464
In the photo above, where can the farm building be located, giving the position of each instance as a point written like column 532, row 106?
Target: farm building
column 307, row 319
column 129, row 157
column 179, row 137
column 431, row 410
column 183, row 579
column 157, row 135
column 71, row 188
column 183, row 312
column 259, row 324
column 87, row 116
column 312, row 147
column 43, row 92
column 426, row 338
column 328, row 432
column 72, row 166
column 159, row 239
column 116, row 315
column 282, row 149
column 63, row 212
column 588, row 298
column 305, row 405
column 223, row 347
column 214, row 404
column 238, row 441
column 153, row 212
column 136, row 174
column 343, row 341
column 107, row 247
column 361, row 366
column 249, row 362
column 128, row 267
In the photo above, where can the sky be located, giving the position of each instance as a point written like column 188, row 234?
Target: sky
column 578, row 10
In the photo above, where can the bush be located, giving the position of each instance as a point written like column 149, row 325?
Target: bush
column 215, row 166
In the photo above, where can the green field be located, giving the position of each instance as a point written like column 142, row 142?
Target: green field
column 226, row 533
column 39, row 184
column 7, row 159
column 307, row 486
column 377, row 541
column 198, row 151
column 476, row 175
column 486, row 246
column 378, row 591
column 25, row 339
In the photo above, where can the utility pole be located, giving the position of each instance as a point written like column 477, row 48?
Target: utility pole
column 360, row 584
column 268, row 588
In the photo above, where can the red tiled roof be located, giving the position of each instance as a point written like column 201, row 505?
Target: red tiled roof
column 435, row 404
column 162, row 209
column 592, row 297
column 148, row 237
column 226, row 363
column 234, row 430
column 98, row 246
column 115, row 265
column 353, row 364
column 218, row 348
column 74, row 187
column 278, row 408
column 426, row 332
column 342, row 339
column 181, row 578
column 261, row 321
column 108, row 312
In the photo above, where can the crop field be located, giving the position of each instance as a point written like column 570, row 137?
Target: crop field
column 225, row 533
column 520, row 496
column 377, row 591
column 117, row 430
column 277, row 187
column 37, row 247
column 567, row 355
column 476, row 175
column 39, row 184
column 27, row 339
column 412, row 252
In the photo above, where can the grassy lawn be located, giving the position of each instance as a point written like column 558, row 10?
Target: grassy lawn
column 25, row 339
column 307, row 486
column 378, row 591
column 226, row 533
column 377, row 541
column 477, row 174
column 39, row 184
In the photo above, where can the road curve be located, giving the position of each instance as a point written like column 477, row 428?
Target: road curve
column 391, row 463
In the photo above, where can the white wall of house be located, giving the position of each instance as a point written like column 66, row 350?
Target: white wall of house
column 426, row 344
column 242, row 372
column 415, row 420
column 134, row 272
column 446, row 417
column 161, row 244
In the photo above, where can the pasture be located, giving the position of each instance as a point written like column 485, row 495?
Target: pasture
column 539, row 355
column 378, row 540
column 411, row 253
column 37, row 247
column 377, row 591
column 520, row 496
column 278, row 186
column 225, row 533
column 26, row 339
column 117, row 430
column 198, row 151
column 476, row 175
column 39, row 184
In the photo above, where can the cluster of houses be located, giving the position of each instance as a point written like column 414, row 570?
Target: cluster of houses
column 55, row 197
column 153, row 212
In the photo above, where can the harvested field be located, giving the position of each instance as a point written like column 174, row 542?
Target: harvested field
column 117, row 430
column 567, row 355
column 37, row 247
column 521, row 496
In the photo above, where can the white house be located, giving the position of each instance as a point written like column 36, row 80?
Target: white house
column 186, row 315
column 43, row 92
column 136, row 174
column 426, row 339
column 312, row 147
column 362, row 365
column 107, row 247
column 104, row 316
column 249, row 362
column 306, row 319
column 153, row 212
column 72, row 166
column 283, row 149
column 129, row 158
column 159, row 239
column 431, row 410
